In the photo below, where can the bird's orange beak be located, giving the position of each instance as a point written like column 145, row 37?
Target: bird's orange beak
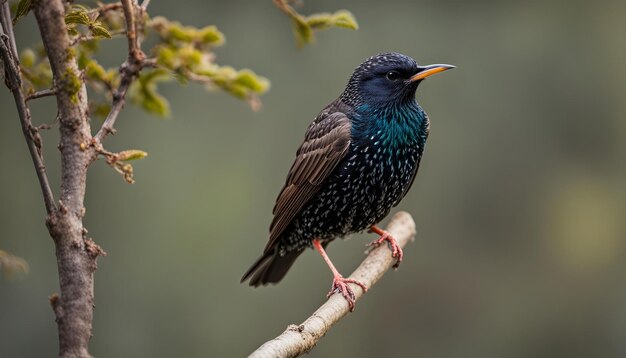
column 425, row 71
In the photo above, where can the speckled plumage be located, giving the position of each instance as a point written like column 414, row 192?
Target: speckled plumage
column 358, row 160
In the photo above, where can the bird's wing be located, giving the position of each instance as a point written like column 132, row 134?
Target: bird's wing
column 326, row 142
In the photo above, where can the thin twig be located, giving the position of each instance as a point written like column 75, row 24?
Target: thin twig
column 288, row 10
column 299, row 339
column 205, row 80
column 83, row 38
column 7, row 24
column 42, row 93
column 129, row 70
column 14, row 80
column 106, row 7
column 129, row 7
column 149, row 62
column 118, row 103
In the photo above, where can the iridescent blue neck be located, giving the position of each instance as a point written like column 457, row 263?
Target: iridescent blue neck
column 393, row 125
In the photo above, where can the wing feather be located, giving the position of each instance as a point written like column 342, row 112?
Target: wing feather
column 326, row 143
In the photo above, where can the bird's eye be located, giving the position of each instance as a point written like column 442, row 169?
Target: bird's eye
column 393, row 75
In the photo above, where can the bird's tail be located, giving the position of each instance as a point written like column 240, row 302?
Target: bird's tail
column 270, row 268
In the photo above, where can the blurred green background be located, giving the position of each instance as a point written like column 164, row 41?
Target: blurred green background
column 519, row 203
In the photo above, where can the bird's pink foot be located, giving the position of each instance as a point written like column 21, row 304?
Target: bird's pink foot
column 340, row 285
column 396, row 250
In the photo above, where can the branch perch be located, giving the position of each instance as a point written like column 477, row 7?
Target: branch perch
column 299, row 339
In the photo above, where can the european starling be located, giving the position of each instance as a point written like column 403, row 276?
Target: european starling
column 358, row 160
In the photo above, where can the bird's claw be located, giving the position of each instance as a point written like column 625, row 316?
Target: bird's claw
column 340, row 285
column 396, row 250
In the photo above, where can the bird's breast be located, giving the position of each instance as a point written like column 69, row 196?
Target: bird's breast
column 385, row 149
column 372, row 178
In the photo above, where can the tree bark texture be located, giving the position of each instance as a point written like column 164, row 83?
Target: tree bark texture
column 76, row 254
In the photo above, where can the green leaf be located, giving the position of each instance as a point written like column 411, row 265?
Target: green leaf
column 224, row 75
column 98, row 30
column 210, row 35
column 155, row 104
column 251, row 80
column 144, row 93
column 237, row 90
column 39, row 74
column 181, row 33
column 77, row 17
column 166, row 57
column 341, row 18
column 27, row 58
column 131, row 154
column 100, row 110
column 94, row 71
column 303, row 33
column 72, row 30
column 189, row 56
column 23, row 8
column 112, row 76
column 320, row 21
column 345, row 19
column 304, row 27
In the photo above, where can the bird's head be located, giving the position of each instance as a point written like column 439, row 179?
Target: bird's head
column 387, row 78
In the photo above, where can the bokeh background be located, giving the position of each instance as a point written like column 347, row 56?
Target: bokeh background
column 520, row 201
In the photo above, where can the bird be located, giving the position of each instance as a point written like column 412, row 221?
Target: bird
column 358, row 159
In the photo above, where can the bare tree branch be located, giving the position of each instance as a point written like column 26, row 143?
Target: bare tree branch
column 8, row 52
column 7, row 25
column 106, row 7
column 129, row 70
column 299, row 339
column 42, row 93
column 129, row 7
column 144, row 4
column 288, row 10
column 76, row 254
